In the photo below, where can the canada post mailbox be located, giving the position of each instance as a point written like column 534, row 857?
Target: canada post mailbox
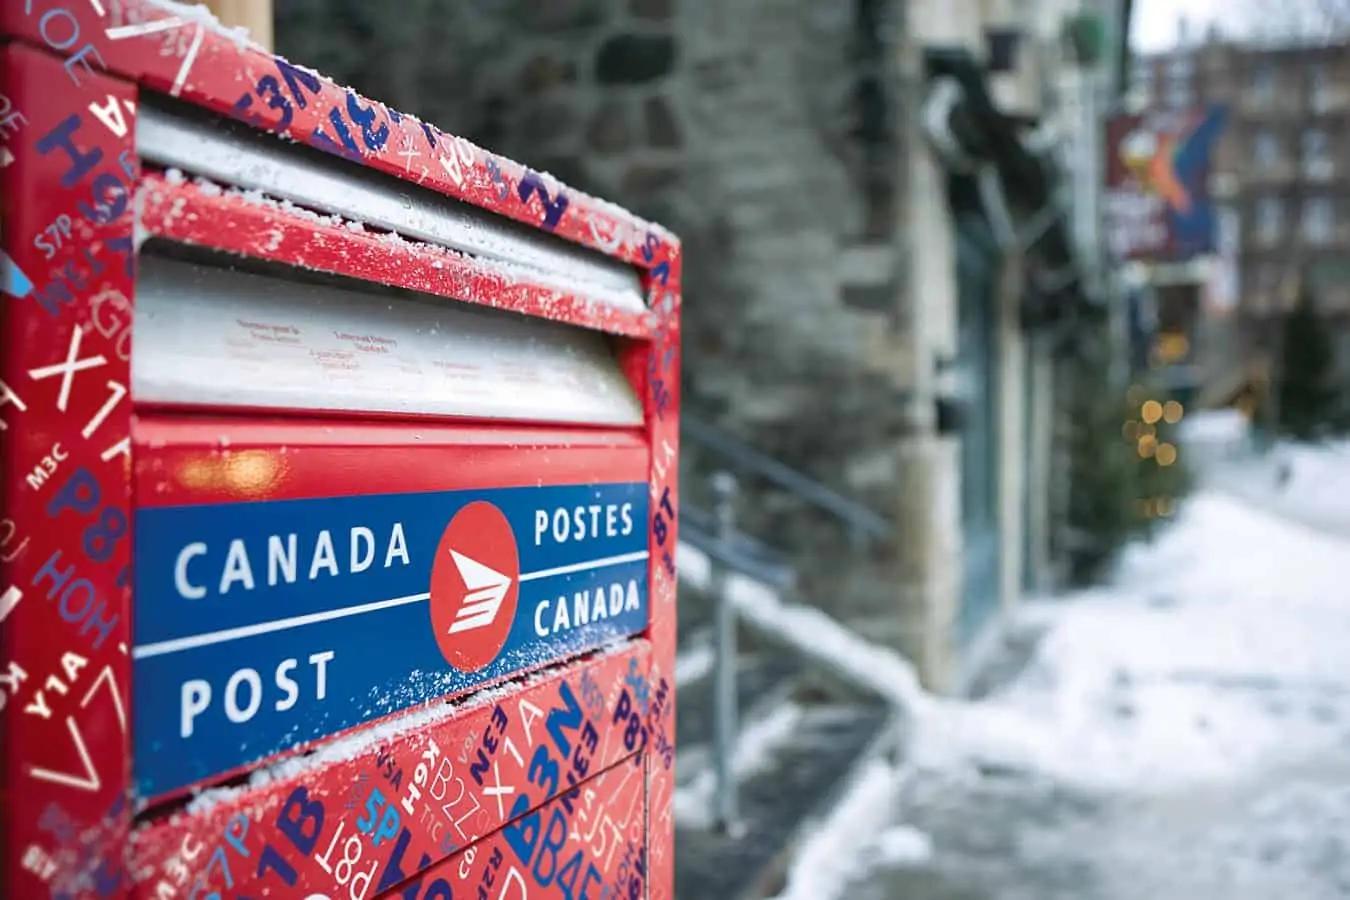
column 339, row 479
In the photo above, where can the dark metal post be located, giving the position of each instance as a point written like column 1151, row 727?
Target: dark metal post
column 724, row 665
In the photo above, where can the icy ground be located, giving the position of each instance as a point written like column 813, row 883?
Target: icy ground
column 1183, row 733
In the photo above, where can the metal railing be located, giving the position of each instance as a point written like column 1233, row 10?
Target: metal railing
column 736, row 550
column 724, row 661
column 862, row 523
column 730, row 551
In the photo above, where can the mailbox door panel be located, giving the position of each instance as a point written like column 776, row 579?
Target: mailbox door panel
column 591, row 842
column 369, row 812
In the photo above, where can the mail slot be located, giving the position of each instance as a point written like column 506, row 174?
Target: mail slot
column 339, row 460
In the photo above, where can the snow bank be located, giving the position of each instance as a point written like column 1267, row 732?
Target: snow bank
column 814, row 634
column 755, row 746
column 827, row 861
column 694, row 663
column 1220, row 649
column 1309, row 482
column 901, row 845
column 1217, row 653
column 1216, row 426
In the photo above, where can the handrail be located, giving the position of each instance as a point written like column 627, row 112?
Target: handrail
column 731, row 551
column 856, row 516
column 740, row 553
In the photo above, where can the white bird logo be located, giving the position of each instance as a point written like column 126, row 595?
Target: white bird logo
column 486, row 591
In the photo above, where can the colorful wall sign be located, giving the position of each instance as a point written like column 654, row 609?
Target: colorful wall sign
column 1157, row 204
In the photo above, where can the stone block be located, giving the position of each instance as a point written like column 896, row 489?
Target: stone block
column 609, row 130
column 557, row 15
column 645, row 179
column 546, row 124
column 654, row 10
column 544, row 72
column 634, row 58
column 662, row 129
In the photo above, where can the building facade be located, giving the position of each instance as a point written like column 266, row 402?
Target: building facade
column 1281, row 179
column 839, row 318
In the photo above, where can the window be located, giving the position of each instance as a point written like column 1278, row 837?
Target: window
column 1266, row 149
column 1263, row 84
column 1319, row 87
column 1143, row 79
column 1269, row 219
column 1317, row 161
column 1181, row 66
column 1266, row 285
column 1319, row 220
column 1179, row 95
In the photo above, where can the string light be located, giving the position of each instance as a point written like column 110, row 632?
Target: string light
column 1166, row 454
column 1172, row 412
column 1151, row 411
column 1171, row 347
column 1147, row 445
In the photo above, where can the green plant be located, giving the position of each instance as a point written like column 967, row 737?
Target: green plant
column 1127, row 472
column 1085, row 35
column 1307, row 404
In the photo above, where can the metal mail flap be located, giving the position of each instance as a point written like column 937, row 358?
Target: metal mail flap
column 220, row 337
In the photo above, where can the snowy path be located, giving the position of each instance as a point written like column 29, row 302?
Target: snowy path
column 1185, row 733
column 1298, row 482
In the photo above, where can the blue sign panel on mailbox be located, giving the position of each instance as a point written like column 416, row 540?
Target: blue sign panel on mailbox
column 262, row 625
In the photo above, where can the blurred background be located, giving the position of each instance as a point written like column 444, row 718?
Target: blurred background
column 1015, row 504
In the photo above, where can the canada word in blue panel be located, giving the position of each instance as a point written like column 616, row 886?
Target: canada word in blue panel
column 266, row 624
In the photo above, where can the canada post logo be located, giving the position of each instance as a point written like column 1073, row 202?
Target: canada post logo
column 475, row 581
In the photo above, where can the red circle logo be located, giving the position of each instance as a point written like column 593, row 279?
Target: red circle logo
column 474, row 583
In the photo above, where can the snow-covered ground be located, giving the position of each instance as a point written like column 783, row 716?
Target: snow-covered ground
column 1170, row 675
column 1183, row 732
column 1309, row 483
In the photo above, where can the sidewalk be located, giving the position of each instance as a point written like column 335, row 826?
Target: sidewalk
column 1303, row 484
column 1183, row 733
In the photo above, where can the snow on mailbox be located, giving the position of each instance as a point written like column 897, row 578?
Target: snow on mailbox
column 339, row 472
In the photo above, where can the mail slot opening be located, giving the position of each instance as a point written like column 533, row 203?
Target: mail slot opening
column 213, row 333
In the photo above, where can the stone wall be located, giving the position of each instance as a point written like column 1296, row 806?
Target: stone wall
column 767, row 134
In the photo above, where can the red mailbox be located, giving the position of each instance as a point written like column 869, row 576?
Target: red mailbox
column 339, row 469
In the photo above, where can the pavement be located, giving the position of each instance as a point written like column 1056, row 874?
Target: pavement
column 1184, row 734
column 1021, row 836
